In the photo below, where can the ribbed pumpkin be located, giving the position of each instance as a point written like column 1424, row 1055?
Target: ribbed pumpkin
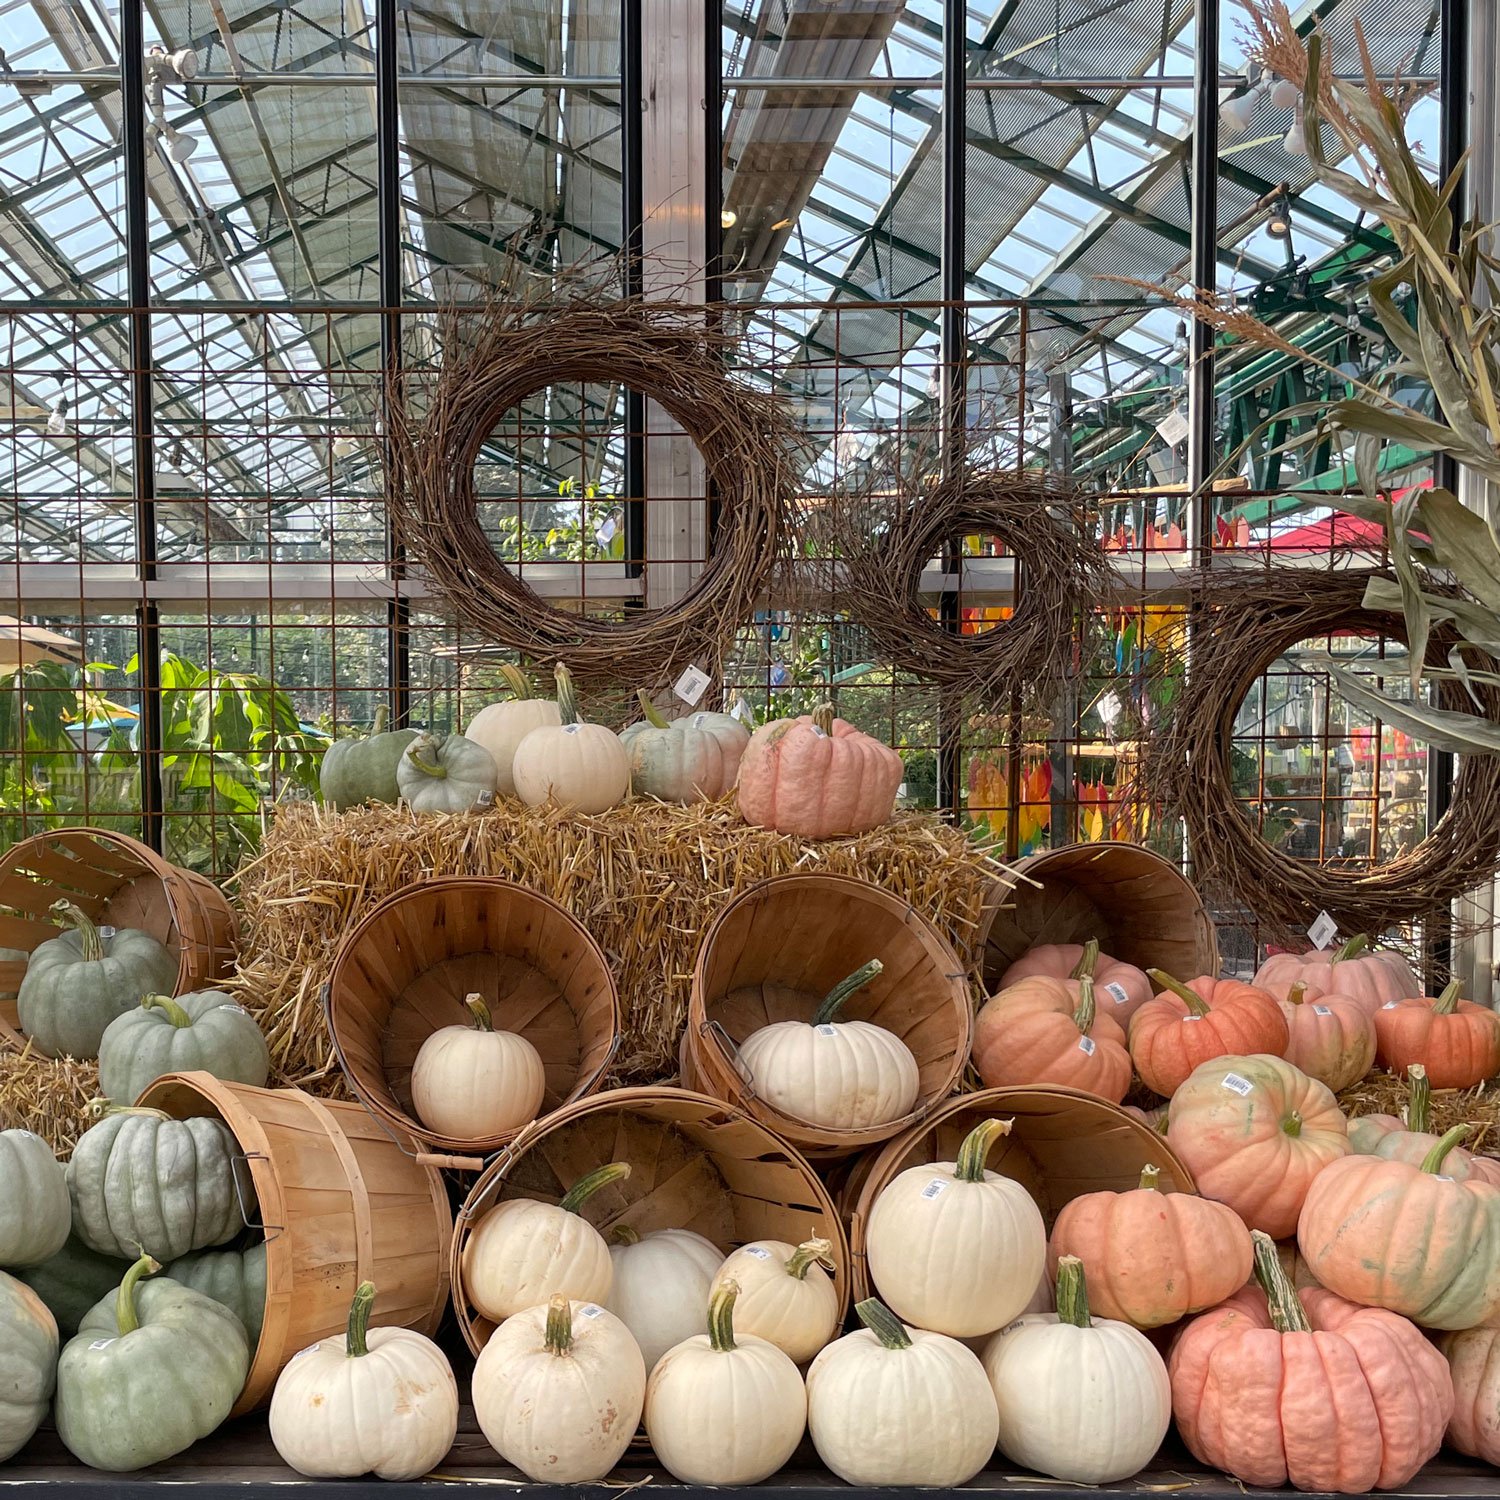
column 34, row 1210
column 72, row 1281
column 1153, row 1257
column 1409, row 1238
column 207, row 1031
column 1255, row 1132
column 362, row 767
column 1186, row 1025
column 1457, row 1041
column 446, row 774
column 786, row 1297
column 1120, row 989
column 1352, row 970
column 500, row 727
column 472, row 1082
column 1473, row 1357
column 235, row 1279
column 659, row 1286
column 28, row 1363
column 1331, row 1039
column 683, row 760
column 578, row 765
column 1410, row 1140
column 1275, row 1386
column 817, row 777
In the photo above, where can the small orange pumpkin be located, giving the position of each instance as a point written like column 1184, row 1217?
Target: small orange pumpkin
column 1352, row 970
column 1188, row 1024
column 1255, row 1132
column 1331, row 1039
column 1409, row 1238
column 1473, row 1357
column 1151, row 1257
column 1457, row 1041
column 1410, row 1140
column 1120, row 989
column 1276, row 1385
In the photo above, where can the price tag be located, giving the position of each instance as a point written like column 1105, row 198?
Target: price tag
column 779, row 674
column 1117, row 993
column 1086, row 1045
column 758, row 1252
column 1237, row 1084
column 901, row 790
column 238, row 1010
column 1191, row 1017
column 1438, row 1177
column 1321, row 1010
column 103, row 1343
column 570, row 729
column 692, row 685
column 589, row 1310
column 606, row 532
column 935, row 1189
column 741, row 711
column 826, row 1030
column 1012, row 1326
column 1323, row 931
column 487, row 799
column 1391, row 1005
column 1173, row 429
column 106, row 932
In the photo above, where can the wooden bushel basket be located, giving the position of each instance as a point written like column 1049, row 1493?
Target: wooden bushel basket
column 118, row 882
column 1139, row 906
column 339, row 1202
column 696, row 1163
column 776, row 950
column 1063, row 1143
column 403, row 972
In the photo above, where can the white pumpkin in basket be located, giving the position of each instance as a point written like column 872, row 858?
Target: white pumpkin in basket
column 721, row 1410
column 785, row 1294
column 522, row 1252
column 445, row 774
column 892, row 1405
column 1080, row 1399
column 500, row 727
column 840, row 1075
column 581, row 766
column 473, row 1082
column 558, row 1391
column 378, row 1401
column 661, row 1284
column 953, row 1247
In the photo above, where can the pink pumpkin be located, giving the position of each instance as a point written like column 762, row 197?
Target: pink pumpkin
column 1410, row 1140
column 1120, row 989
column 1369, row 978
column 1331, row 1039
column 817, row 777
column 1474, row 1360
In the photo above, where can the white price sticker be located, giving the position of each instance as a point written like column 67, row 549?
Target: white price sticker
column 826, row 1030
column 606, row 532
column 1191, row 1017
column 1236, row 1083
column 1011, row 1326
column 1323, row 931
column 741, row 711
column 311, row 1349
column 485, row 799
column 1117, row 993
column 1321, row 1010
column 935, row 1189
column 692, row 685
column 570, row 729
column 1391, row 1005
column 106, row 932
column 758, row 1252
column 1438, row 1177
column 591, row 1310
column 103, row 1343
column 1086, row 1045
column 1173, row 429
column 236, row 1010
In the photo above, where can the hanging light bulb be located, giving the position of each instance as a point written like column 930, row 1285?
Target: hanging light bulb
column 1235, row 115
column 1285, row 94
column 180, row 146
column 1279, row 220
column 728, row 218
column 1295, row 142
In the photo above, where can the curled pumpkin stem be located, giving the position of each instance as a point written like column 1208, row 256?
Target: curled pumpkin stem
column 976, row 1149
column 721, row 1316
column 169, row 1008
column 1433, row 1161
column 1087, row 960
column 422, row 753
column 844, row 989
column 1447, row 1002
column 1190, row 997
column 654, row 716
column 90, row 942
column 125, row 1313
column 587, row 1186
column 517, row 681
column 807, row 1255
column 480, row 1011
column 355, row 1337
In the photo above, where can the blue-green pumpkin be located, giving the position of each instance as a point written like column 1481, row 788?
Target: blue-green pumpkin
column 34, row 1208
column 206, row 1031
column 235, row 1279
column 28, row 1363
column 362, row 768
column 72, row 1281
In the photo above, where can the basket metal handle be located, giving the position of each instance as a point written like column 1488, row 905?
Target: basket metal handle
column 269, row 1230
column 732, row 1052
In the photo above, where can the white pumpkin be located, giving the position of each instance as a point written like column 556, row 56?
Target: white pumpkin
column 786, row 1297
column 474, row 1083
column 381, row 1401
column 522, row 1252
column 841, row 1075
column 500, row 727
column 1080, row 1399
column 35, row 1211
column 683, row 760
column 445, row 774
column 578, row 765
column 661, row 1286
column 558, row 1391
column 721, row 1410
column 953, row 1247
column 892, row 1405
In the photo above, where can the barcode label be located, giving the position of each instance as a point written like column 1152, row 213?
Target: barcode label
column 758, row 1252
column 1321, row 1010
column 1086, row 1045
column 103, row 1343
column 935, row 1188
column 237, row 1010
column 106, row 932
column 1117, row 993
column 1192, row 1018
column 589, row 1310
column 1323, row 931
column 691, row 686
column 485, row 799
column 826, row 1029
column 1237, row 1084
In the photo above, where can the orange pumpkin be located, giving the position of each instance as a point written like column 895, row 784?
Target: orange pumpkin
column 1352, row 970
column 1474, row 1362
column 1120, row 989
column 1331, row 1039
column 1277, row 1385
column 1457, row 1041
column 1411, row 1139
column 1255, row 1132
column 1151, row 1257
column 1188, row 1024
column 817, row 777
column 1412, row 1239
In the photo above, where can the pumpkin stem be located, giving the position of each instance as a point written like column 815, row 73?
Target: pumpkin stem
column 359, row 1320
column 1292, row 1125
column 1287, row 1312
column 1084, row 968
column 1447, row 1002
column 1295, row 993
column 567, row 695
column 1433, row 1161
column 1083, row 1017
column 721, row 1316
column 1151, row 1177
column 381, row 722
column 100, row 1108
column 1357, row 944
column 976, row 1147
column 586, row 1186
column 89, row 941
column 559, row 1325
column 125, row 1297
column 517, row 681
column 1195, row 1002
column 417, row 753
column 654, row 716
column 1072, row 1293
column 168, row 1007
column 1419, row 1101
column 822, row 717
column 480, row 1011
column 844, row 989
column 883, row 1323
column 807, row 1255
column 624, row 1234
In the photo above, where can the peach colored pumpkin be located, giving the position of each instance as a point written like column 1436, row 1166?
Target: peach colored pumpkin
column 1457, row 1041
column 818, row 777
column 1275, row 1386
column 1151, row 1257
column 1371, row 978
column 1042, row 1030
column 1188, row 1024
column 1411, row 1239
column 1255, row 1132
column 1331, row 1039
column 1473, row 1357
column 1154, row 1118
column 1120, row 989
column 1411, row 1139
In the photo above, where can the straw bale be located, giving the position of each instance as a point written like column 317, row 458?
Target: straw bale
column 49, row 1096
column 1380, row 1093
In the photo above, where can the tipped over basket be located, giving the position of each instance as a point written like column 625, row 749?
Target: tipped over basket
column 776, row 950
column 1062, row 1144
column 118, row 882
column 404, row 971
column 696, row 1163
column 339, row 1202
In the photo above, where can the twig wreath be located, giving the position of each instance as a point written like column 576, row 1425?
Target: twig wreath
column 1245, row 623
column 497, row 356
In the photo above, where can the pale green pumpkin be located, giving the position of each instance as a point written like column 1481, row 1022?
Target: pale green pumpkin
column 76, row 984
column 235, row 1279
column 28, row 1363
column 684, row 760
column 72, row 1281
column 34, row 1210
column 446, row 773
column 362, row 768
column 206, row 1031
column 142, row 1182
column 153, row 1367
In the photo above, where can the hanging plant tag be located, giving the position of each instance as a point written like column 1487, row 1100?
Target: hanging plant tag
column 741, row 711
column 691, row 686
column 1323, row 931
column 485, row 799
